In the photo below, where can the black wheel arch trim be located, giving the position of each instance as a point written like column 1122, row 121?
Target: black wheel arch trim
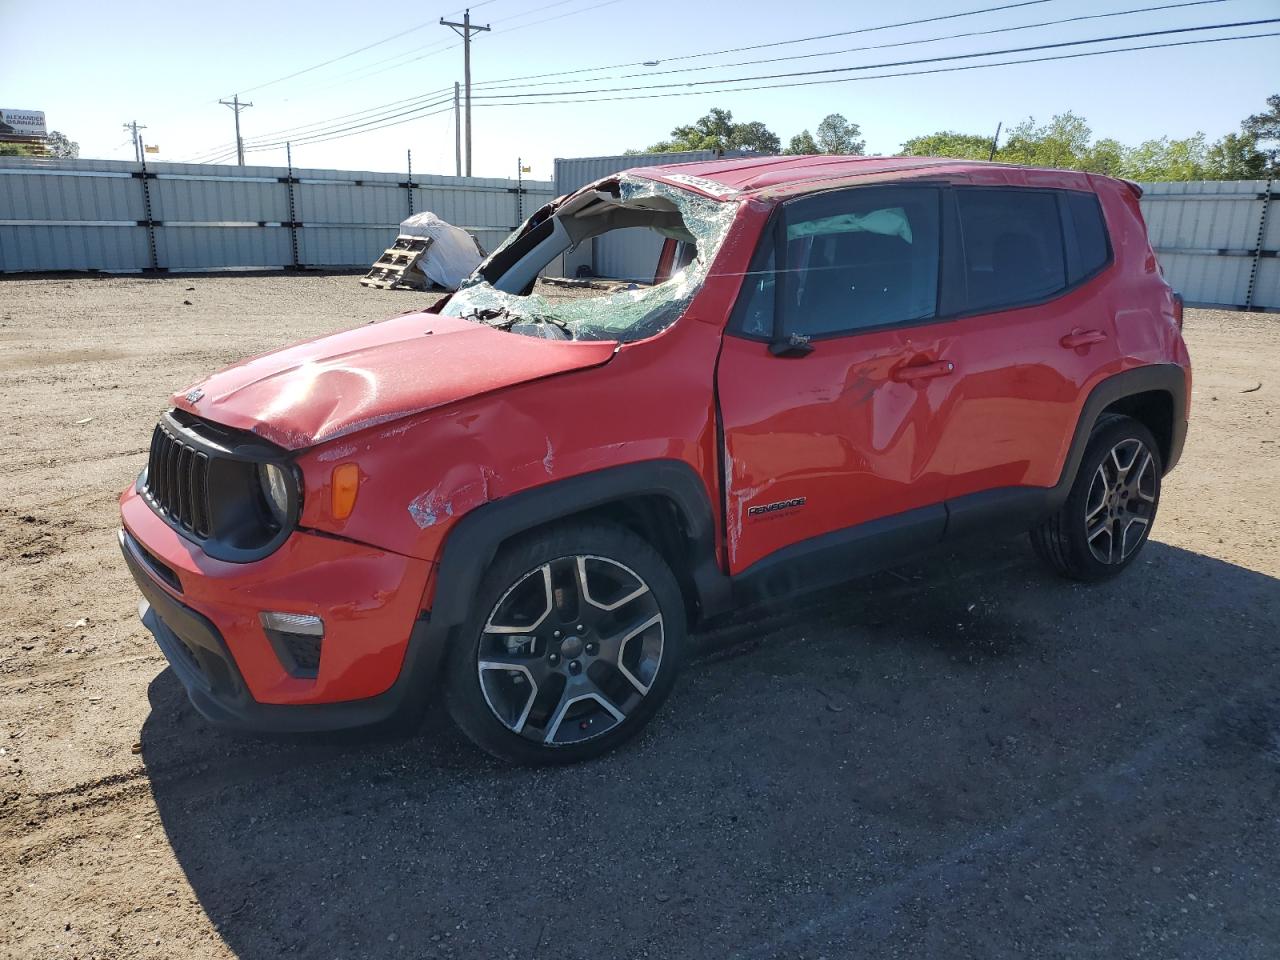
column 1167, row 378
column 473, row 543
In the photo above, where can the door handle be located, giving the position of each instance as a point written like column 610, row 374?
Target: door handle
column 923, row 371
column 1082, row 338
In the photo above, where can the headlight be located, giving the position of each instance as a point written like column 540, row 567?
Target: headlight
column 275, row 488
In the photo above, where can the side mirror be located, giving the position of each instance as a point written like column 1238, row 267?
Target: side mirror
column 795, row 345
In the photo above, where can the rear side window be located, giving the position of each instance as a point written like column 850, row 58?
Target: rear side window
column 1013, row 247
column 1087, row 229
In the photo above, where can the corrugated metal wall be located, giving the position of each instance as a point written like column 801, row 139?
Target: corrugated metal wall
column 93, row 214
column 1218, row 241
column 624, row 254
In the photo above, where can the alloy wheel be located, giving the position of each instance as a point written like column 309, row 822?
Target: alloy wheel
column 1121, row 501
column 570, row 650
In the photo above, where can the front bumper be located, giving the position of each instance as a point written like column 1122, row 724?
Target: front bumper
column 378, row 654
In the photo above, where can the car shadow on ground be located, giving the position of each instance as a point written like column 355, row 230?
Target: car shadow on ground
column 963, row 756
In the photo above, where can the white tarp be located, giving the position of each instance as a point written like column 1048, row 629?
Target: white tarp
column 452, row 255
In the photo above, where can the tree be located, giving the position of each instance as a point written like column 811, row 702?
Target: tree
column 1265, row 129
column 1105, row 156
column 1166, row 159
column 16, row 150
column 1265, row 126
column 754, row 136
column 1236, row 157
column 717, row 131
column 836, row 135
column 61, row 146
column 948, row 143
column 802, row 143
column 1062, row 142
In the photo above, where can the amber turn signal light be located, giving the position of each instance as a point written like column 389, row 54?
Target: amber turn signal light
column 343, row 487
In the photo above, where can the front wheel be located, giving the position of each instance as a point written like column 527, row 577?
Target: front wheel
column 1108, row 514
column 575, row 640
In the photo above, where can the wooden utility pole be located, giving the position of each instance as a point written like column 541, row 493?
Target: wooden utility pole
column 133, row 127
column 464, row 30
column 235, row 104
column 457, row 131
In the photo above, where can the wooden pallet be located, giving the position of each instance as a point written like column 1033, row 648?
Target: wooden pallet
column 394, row 270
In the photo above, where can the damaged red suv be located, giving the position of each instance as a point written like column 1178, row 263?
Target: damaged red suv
column 524, row 503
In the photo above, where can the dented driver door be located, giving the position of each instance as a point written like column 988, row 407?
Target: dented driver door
column 835, row 379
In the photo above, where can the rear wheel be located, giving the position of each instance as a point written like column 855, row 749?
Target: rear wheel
column 575, row 640
column 1108, row 514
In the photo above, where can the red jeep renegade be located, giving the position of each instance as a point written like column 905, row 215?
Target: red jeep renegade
column 838, row 362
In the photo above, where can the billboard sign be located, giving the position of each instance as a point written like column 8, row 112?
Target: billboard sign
column 24, row 123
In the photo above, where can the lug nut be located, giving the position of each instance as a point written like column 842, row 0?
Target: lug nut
column 581, row 628
column 556, row 634
column 553, row 657
column 591, row 649
column 575, row 666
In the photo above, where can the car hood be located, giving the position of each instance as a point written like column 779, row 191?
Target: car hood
column 335, row 385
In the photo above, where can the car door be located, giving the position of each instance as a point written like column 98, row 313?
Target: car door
column 1034, row 331
column 834, row 377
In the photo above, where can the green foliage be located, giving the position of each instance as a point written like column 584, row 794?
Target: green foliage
column 56, row 145
column 1062, row 142
column 948, row 143
column 717, row 131
column 837, row 136
column 1166, row 159
column 1236, row 157
column 802, row 144
column 60, row 145
column 1065, row 141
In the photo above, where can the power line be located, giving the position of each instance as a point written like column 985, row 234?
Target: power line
column 832, row 80
column 353, row 133
column 366, row 126
column 395, row 104
column 778, row 43
column 379, row 109
column 432, row 50
column 882, row 76
column 496, row 84
column 344, row 56
column 896, row 63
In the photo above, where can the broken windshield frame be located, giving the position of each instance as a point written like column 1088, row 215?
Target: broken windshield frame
column 502, row 294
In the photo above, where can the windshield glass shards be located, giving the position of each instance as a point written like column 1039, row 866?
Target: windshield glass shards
column 511, row 292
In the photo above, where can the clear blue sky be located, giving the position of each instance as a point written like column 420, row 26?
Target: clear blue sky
column 92, row 66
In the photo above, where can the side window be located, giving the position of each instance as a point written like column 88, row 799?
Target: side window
column 1089, row 232
column 755, row 300
column 861, row 258
column 1012, row 246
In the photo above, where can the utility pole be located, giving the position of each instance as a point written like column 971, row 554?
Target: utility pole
column 464, row 30
column 995, row 142
column 457, row 132
column 235, row 104
column 133, row 127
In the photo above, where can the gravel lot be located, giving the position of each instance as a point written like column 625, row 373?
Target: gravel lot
column 961, row 758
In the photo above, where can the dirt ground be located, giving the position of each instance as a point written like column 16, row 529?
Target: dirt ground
column 965, row 757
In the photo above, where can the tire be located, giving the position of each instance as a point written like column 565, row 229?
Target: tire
column 574, row 642
column 1108, row 515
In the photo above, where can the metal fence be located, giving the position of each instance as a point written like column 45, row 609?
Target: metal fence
column 631, row 253
column 121, row 216
column 1218, row 241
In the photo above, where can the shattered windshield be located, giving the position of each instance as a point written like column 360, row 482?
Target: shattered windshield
column 514, row 289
